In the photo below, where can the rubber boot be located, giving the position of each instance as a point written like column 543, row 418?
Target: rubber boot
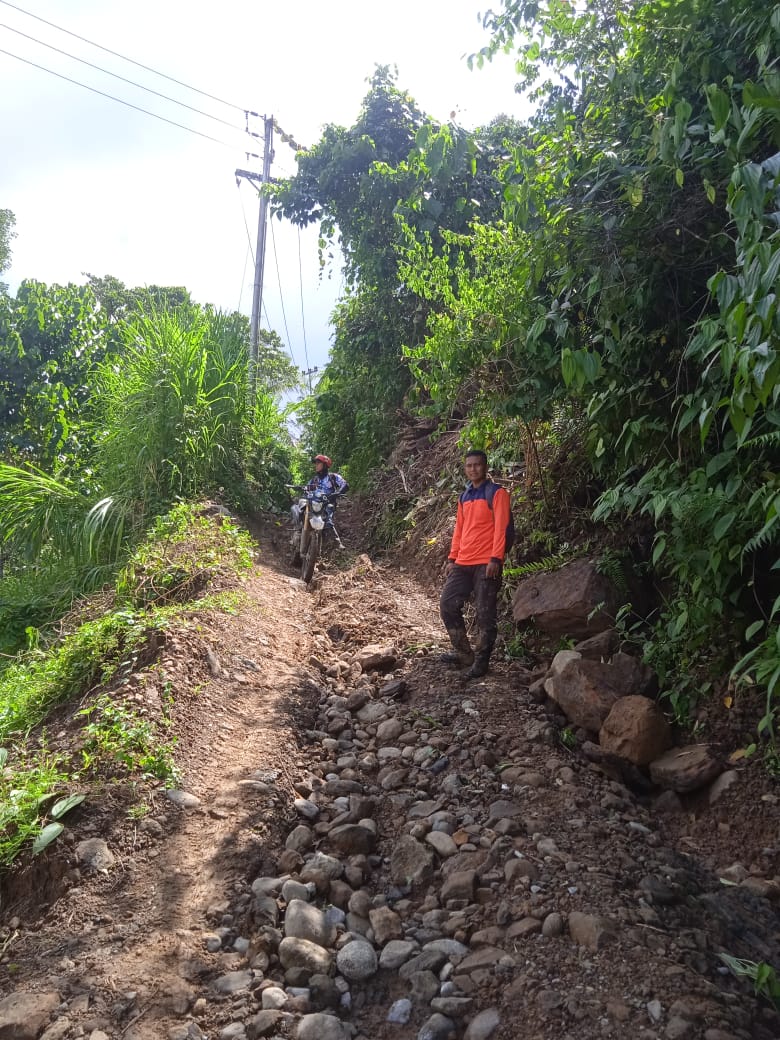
column 461, row 655
column 481, row 659
column 480, row 665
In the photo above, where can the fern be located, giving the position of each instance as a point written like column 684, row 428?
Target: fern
column 766, row 536
column 549, row 563
column 612, row 566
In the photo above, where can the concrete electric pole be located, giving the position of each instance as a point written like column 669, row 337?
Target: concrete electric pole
column 257, row 296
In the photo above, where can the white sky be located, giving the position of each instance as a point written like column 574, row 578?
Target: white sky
column 98, row 187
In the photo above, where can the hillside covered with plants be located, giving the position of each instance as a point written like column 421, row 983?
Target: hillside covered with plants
column 595, row 285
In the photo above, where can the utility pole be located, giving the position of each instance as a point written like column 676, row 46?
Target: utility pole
column 308, row 373
column 257, row 296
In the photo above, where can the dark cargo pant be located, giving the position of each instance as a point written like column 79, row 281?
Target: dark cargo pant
column 458, row 586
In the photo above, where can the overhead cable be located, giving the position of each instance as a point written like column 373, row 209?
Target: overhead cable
column 229, row 104
column 129, row 104
column 124, row 79
column 279, row 281
column 300, row 281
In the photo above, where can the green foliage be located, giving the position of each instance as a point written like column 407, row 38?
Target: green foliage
column 119, row 736
column 763, row 976
column 176, row 420
column 633, row 281
column 34, row 684
column 50, row 339
column 25, row 791
column 393, row 175
column 183, row 552
column 7, row 221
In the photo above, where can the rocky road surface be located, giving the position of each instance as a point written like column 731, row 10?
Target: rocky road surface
column 366, row 847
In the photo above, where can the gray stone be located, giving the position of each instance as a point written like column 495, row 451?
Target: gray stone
column 357, row 960
column 305, row 808
column 295, row 890
column 423, row 986
column 438, row 1027
column 396, row 953
column 233, row 1031
column 304, row 921
column 410, row 862
column 353, row 839
column 183, row 799
column 453, row 1007
column 400, row 1011
column 459, row 885
column 483, row 1025
column 552, row 925
column 23, row 1016
column 389, row 730
column 95, row 853
column 300, row 953
column 300, row 838
column 233, row 982
column 264, row 1023
column 442, row 843
column 321, row 1026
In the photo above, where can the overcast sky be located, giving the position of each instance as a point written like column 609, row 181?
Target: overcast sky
column 101, row 188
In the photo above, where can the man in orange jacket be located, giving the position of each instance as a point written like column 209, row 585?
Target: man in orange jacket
column 475, row 563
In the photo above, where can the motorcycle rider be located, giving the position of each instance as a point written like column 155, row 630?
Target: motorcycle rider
column 331, row 483
column 324, row 480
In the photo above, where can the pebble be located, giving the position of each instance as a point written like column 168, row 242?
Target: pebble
column 357, row 960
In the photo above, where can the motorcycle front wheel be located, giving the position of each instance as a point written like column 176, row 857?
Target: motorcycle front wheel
column 311, row 556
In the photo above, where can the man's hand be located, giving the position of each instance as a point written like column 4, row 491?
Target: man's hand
column 493, row 569
column 448, row 568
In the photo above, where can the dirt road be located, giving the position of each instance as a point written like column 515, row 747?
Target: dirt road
column 363, row 845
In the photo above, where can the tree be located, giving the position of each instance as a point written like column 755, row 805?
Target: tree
column 7, row 221
column 392, row 174
column 51, row 337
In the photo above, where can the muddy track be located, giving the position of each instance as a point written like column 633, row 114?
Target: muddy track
column 496, row 884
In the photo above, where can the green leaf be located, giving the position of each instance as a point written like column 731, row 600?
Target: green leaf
column 722, row 526
column 679, row 176
column 719, row 105
column 64, row 805
column 46, row 837
column 3, row 756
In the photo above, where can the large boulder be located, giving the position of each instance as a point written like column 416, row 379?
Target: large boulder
column 636, row 729
column 585, row 691
column 685, row 768
column 574, row 601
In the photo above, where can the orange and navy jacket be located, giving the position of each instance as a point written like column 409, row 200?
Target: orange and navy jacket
column 480, row 532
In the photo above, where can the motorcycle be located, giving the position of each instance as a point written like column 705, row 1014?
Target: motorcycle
column 312, row 520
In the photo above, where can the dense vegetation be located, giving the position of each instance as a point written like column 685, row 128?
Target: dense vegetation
column 618, row 279
column 113, row 408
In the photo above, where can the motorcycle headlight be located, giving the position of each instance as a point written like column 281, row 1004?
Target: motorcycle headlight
column 316, row 506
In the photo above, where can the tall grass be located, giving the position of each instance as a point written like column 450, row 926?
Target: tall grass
column 170, row 418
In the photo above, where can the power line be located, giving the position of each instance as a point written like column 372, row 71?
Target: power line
column 300, row 281
column 243, row 277
column 59, row 28
column 124, row 79
column 279, row 280
column 120, row 101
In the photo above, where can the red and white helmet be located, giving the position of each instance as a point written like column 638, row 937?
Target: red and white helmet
column 324, row 459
